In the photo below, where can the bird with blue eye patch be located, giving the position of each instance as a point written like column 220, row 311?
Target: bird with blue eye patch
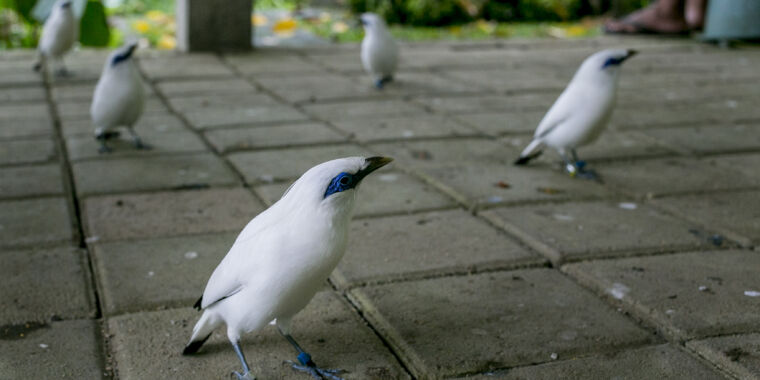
column 581, row 112
column 282, row 258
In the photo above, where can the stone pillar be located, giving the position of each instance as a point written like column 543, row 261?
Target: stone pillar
column 214, row 25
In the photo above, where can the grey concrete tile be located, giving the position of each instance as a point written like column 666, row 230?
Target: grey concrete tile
column 414, row 83
column 574, row 231
column 197, row 87
column 23, row 110
column 24, row 181
column 345, row 61
column 204, row 119
column 146, row 124
column 499, row 123
column 363, row 109
column 710, row 139
column 155, row 274
column 272, row 62
column 37, row 125
column 687, row 295
column 81, row 92
column 27, row 151
column 648, row 178
column 382, row 193
column 653, row 362
column 22, row 94
column 724, row 112
column 511, row 79
column 45, row 283
column 342, row 90
column 117, row 217
column 746, row 164
column 490, row 103
column 401, row 128
column 279, row 136
column 738, row 354
column 619, row 145
column 735, row 214
column 81, row 147
column 21, row 224
column 14, row 77
column 215, row 101
column 180, row 65
column 120, row 175
column 80, row 110
column 409, row 246
column 288, row 164
column 60, row 350
column 537, row 312
column 327, row 328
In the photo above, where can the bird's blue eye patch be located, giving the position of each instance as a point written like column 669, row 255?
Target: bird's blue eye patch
column 120, row 58
column 342, row 182
column 612, row 61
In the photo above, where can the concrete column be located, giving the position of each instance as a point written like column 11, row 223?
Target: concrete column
column 214, row 25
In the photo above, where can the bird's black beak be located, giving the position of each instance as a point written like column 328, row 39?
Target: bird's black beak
column 630, row 54
column 373, row 163
column 131, row 49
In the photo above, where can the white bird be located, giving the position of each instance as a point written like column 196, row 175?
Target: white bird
column 282, row 257
column 379, row 50
column 581, row 112
column 60, row 32
column 119, row 98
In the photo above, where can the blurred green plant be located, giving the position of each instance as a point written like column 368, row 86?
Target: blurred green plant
column 20, row 27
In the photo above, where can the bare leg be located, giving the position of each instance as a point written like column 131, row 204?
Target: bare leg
column 246, row 375
column 695, row 13
column 137, row 141
column 307, row 365
column 663, row 17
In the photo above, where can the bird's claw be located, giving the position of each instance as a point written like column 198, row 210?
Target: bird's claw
column 142, row 146
column 63, row 73
column 245, row 376
column 316, row 372
column 589, row 174
column 104, row 149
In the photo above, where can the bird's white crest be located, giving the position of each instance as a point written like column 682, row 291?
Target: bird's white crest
column 283, row 256
column 583, row 109
column 119, row 96
column 379, row 52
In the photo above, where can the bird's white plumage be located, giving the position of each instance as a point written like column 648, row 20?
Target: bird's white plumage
column 119, row 96
column 379, row 52
column 59, row 33
column 583, row 109
column 282, row 257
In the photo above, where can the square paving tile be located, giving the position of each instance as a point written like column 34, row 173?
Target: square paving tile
column 738, row 354
column 402, row 128
column 64, row 293
column 24, row 181
column 409, row 246
column 724, row 112
column 157, row 273
column 22, row 94
column 120, row 175
column 279, row 136
column 653, row 362
column 216, row 87
column 746, row 164
column 524, row 102
column 574, row 231
column 334, row 335
column 533, row 314
column 289, row 164
column 183, row 65
column 381, row 194
column 251, row 115
column 710, row 139
column 687, row 295
column 410, row 83
column 146, row 124
column 215, row 101
column 657, row 177
column 499, row 123
column 21, row 224
column 736, row 214
column 60, row 350
column 511, row 80
column 363, row 109
column 27, row 151
column 38, row 125
column 87, row 147
column 117, row 217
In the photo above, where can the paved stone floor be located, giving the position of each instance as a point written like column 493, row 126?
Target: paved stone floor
column 460, row 265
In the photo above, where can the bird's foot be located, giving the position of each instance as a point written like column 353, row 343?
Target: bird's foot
column 63, row 73
column 589, row 174
column 246, row 376
column 379, row 84
column 142, row 146
column 37, row 66
column 104, row 149
column 316, row 372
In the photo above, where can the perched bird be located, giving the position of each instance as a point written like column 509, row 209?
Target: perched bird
column 282, row 257
column 581, row 112
column 59, row 33
column 379, row 50
column 119, row 98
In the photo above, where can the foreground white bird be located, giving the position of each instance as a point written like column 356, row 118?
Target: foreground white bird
column 379, row 50
column 60, row 32
column 282, row 257
column 581, row 112
column 119, row 98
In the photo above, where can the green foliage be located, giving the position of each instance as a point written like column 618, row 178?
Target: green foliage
column 414, row 12
column 548, row 10
column 132, row 7
column 24, row 9
column 93, row 29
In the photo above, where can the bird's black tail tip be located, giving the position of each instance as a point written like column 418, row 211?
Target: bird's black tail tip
column 523, row 160
column 194, row 346
column 197, row 304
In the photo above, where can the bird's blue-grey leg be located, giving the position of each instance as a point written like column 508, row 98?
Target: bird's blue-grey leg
column 102, row 140
column 581, row 166
column 308, row 366
column 139, row 144
column 569, row 165
column 246, row 375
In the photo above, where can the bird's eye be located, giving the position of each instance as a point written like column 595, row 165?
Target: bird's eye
column 345, row 180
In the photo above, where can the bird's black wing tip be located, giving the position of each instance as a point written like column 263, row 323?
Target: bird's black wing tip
column 197, row 304
column 523, row 160
column 194, row 346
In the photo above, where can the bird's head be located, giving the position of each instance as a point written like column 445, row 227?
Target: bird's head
column 372, row 22
column 604, row 65
column 65, row 4
column 122, row 54
column 332, row 185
